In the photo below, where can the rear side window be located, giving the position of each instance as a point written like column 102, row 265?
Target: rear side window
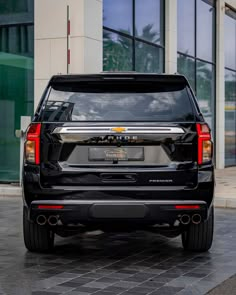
column 118, row 102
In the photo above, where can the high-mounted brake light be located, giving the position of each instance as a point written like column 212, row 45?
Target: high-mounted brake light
column 32, row 144
column 204, row 143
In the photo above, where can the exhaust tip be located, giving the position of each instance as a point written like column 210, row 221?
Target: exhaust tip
column 185, row 219
column 41, row 220
column 196, row 218
column 53, row 220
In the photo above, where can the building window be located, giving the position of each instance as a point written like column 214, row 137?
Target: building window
column 230, row 87
column 13, row 6
column 133, row 35
column 16, row 80
column 196, row 51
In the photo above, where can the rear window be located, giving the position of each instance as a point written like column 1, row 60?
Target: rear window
column 118, row 102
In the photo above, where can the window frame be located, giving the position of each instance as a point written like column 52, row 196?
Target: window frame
column 196, row 59
column 134, row 38
column 233, row 11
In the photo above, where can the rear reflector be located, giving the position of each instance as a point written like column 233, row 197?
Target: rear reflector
column 187, row 207
column 50, row 207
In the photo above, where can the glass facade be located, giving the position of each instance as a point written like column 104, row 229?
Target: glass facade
column 230, row 87
column 196, row 51
column 133, row 35
column 186, row 27
column 16, row 79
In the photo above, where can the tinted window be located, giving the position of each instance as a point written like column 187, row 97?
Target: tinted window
column 119, row 103
column 230, row 117
column 148, row 20
column 12, row 6
column 16, row 80
column 133, row 35
column 186, row 67
column 148, row 59
column 117, row 52
column 186, row 26
column 230, row 39
column 117, row 15
column 205, row 29
column 205, row 91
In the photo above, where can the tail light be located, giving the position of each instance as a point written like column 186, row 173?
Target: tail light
column 204, row 143
column 32, row 144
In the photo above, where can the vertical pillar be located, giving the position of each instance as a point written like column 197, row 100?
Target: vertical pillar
column 51, row 42
column 220, row 86
column 86, row 41
column 170, row 36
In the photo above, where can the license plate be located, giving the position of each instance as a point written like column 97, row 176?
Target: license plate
column 116, row 154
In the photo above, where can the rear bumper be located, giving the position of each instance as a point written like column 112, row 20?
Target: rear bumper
column 100, row 212
column 135, row 204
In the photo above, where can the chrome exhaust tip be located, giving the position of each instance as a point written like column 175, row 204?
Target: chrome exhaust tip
column 53, row 220
column 41, row 220
column 196, row 218
column 185, row 219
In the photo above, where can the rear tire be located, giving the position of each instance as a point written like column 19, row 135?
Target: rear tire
column 199, row 237
column 37, row 238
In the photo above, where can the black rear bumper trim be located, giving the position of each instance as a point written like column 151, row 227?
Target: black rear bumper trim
column 101, row 211
column 116, row 202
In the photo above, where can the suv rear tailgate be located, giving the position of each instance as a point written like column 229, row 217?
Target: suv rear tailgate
column 161, row 156
column 125, row 130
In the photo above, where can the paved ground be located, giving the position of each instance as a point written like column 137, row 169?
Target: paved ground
column 138, row 263
column 228, row 287
column 226, row 182
column 225, row 193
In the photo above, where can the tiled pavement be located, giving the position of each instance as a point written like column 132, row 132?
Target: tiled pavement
column 225, row 192
column 109, row 264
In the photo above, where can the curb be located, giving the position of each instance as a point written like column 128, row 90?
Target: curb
column 219, row 201
column 10, row 191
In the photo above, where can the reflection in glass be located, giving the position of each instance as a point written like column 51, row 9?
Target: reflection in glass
column 17, row 40
column 13, row 6
column 117, row 15
column 117, row 52
column 186, row 28
column 186, row 67
column 149, row 20
column 230, row 41
column 205, row 91
column 120, row 104
column 230, row 118
column 121, row 53
column 16, row 80
column 148, row 59
column 205, row 30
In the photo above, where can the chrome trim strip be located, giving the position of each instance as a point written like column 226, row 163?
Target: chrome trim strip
column 108, row 130
column 121, row 188
column 115, row 202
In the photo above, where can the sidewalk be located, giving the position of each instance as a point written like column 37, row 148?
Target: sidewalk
column 8, row 190
column 225, row 195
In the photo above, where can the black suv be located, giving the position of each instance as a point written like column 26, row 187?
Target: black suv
column 118, row 152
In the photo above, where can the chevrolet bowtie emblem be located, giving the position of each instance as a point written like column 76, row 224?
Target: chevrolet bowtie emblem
column 118, row 129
